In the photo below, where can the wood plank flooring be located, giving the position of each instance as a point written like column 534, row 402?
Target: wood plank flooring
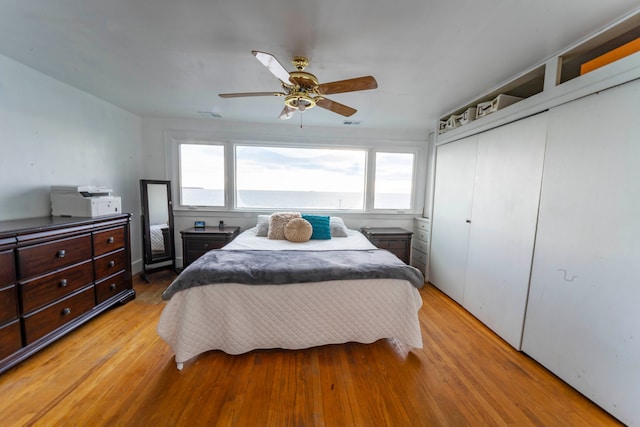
column 116, row 371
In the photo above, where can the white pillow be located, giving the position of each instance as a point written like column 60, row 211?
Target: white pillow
column 277, row 222
column 262, row 228
column 338, row 229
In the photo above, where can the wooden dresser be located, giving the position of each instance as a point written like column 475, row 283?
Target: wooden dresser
column 57, row 273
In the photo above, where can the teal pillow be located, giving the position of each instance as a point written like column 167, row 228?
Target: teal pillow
column 321, row 226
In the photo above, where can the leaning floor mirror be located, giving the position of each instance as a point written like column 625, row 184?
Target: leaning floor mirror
column 157, row 227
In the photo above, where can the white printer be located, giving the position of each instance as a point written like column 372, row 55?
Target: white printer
column 83, row 201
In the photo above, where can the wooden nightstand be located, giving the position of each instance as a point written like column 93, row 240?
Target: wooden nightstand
column 394, row 239
column 197, row 241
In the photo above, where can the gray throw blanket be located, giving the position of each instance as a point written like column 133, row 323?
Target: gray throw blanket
column 258, row 267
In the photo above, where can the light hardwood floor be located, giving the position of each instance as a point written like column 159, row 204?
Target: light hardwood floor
column 116, row 371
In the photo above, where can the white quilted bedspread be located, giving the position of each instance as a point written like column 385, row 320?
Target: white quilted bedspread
column 239, row 318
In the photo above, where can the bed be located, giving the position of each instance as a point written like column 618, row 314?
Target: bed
column 237, row 317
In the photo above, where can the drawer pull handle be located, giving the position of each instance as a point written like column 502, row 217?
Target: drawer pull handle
column 206, row 245
column 112, row 264
column 66, row 311
column 112, row 286
column 61, row 253
column 110, row 240
column 63, row 283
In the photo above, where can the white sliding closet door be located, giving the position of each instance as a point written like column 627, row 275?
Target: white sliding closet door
column 503, row 225
column 453, row 194
column 583, row 314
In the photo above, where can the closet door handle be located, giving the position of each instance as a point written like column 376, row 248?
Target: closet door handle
column 468, row 221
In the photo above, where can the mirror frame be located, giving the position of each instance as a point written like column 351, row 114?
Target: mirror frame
column 149, row 262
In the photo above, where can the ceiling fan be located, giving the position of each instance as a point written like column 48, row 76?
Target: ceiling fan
column 302, row 90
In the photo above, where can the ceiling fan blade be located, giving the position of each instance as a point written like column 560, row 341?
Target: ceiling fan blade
column 350, row 85
column 242, row 95
column 336, row 107
column 286, row 113
column 273, row 65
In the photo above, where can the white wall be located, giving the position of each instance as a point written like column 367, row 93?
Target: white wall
column 54, row 134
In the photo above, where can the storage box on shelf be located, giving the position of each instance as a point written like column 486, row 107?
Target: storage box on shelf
column 525, row 86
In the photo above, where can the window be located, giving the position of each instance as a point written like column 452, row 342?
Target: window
column 355, row 176
column 303, row 178
column 393, row 180
column 202, row 175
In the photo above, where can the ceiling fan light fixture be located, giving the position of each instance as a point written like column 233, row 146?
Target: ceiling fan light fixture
column 300, row 101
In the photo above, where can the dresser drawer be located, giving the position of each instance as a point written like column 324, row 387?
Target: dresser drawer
column 8, row 303
column 108, row 240
column 7, row 268
column 422, row 225
column 111, row 286
column 419, row 259
column 50, row 318
column 10, row 338
column 39, row 259
column 421, row 245
column 422, row 235
column 46, row 289
column 110, row 264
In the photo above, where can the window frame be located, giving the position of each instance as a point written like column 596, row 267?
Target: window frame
column 371, row 147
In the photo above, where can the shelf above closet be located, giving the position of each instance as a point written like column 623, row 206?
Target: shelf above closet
column 550, row 83
column 607, row 42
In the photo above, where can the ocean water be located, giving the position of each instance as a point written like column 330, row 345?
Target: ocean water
column 293, row 199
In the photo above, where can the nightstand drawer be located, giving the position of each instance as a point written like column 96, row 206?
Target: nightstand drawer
column 204, row 245
column 389, row 244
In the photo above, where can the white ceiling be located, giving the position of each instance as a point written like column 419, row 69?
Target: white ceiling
column 170, row 58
